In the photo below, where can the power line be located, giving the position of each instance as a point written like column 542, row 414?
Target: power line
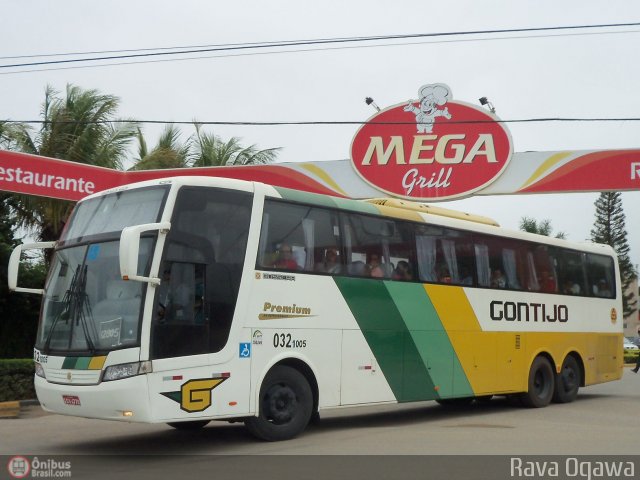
column 328, row 122
column 319, row 42
column 301, row 50
column 153, row 49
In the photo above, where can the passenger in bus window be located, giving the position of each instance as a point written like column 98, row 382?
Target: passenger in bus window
column 570, row 288
column 375, row 269
column 445, row 275
column 163, row 297
column 285, row 258
column 498, row 280
column 402, row 271
column 466, row 277
column 198, row 310
column 602, row 289
column 330, row 264
column 548, row 282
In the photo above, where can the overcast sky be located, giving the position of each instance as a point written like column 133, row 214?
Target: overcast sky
column 580, row 73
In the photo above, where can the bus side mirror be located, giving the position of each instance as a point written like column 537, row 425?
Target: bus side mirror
column 14, row 266
column 130, row 249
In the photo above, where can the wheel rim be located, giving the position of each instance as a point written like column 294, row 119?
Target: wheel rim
column 541, row 384
column 569, row 379
column 280, row 404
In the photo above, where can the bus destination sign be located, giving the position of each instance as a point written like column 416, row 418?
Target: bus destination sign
column 431, row 148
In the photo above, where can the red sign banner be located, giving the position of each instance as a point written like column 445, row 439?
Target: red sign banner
column 51, row 177
column 431, row 149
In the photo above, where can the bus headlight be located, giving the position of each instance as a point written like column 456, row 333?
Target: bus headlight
column 40, row 371
column 125, row 370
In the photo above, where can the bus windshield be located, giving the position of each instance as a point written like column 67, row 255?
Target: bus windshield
column 113, row 212
column 87, row 307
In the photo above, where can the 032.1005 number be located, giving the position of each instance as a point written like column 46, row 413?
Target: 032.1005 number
column 285, row 340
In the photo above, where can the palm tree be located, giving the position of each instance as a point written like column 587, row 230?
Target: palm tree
column 209, row 150
column 168, row 153
column 78, row 127
column 9, row 131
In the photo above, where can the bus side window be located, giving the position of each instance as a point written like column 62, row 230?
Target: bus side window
column 601, row 274
column 297, row 232
column 543, row 275
column 371, row 241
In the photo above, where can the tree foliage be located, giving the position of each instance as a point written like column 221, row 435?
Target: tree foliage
column 209, row 150
column 609, row 228
column 77, row 127
column 202, row 149
column 19, row 311
column 531, row 225
column 169, row 152
column 80, row 126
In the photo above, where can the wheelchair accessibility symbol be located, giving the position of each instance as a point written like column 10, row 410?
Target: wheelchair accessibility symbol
column 245, row 350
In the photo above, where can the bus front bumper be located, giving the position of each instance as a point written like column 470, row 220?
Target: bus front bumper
column 125, row 400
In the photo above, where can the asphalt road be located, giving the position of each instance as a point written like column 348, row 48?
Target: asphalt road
column 604, row 420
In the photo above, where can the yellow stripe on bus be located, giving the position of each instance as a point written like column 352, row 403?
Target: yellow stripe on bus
column 497, row 362
column 97, row 363
column 463, row 329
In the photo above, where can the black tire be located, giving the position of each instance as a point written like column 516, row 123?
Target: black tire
column 315, row 418
column 455, row 402
column 285, row 405
column 567, row 381
column 192, row 425
column 541, row 384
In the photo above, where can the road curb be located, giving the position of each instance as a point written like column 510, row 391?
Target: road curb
column 9, row 409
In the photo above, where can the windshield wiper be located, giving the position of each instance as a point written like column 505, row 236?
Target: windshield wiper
column 74, row 304
column 64, row 313
column 82, row 303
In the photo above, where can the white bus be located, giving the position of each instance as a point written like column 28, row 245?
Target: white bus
column 192, row 299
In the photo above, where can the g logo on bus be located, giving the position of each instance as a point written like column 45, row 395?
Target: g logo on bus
column 195, row 395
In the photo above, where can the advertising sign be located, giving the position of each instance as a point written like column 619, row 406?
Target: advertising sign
column 433, row 148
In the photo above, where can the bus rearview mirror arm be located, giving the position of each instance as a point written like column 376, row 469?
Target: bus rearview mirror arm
column 14, row 266
column 130, row 248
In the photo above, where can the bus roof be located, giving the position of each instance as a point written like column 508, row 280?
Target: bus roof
column 389, row 207
column 431, row 210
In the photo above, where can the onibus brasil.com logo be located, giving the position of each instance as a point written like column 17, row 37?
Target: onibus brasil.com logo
column 21, row 467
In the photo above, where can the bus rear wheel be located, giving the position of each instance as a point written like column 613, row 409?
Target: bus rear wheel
column 541, row 384
column 567, row 381
column 285, row 405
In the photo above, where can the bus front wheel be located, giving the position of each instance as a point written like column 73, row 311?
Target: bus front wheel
column 285, row 405
column 541, row 384
column 567, row 381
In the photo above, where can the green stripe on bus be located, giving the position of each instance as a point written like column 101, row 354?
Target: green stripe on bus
column 326, row 201
column 77, row 363
column 388, row 337
column 306, row 197
column 83, row 363
column 430, row 337
column 357, row 206
column 69, row 362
